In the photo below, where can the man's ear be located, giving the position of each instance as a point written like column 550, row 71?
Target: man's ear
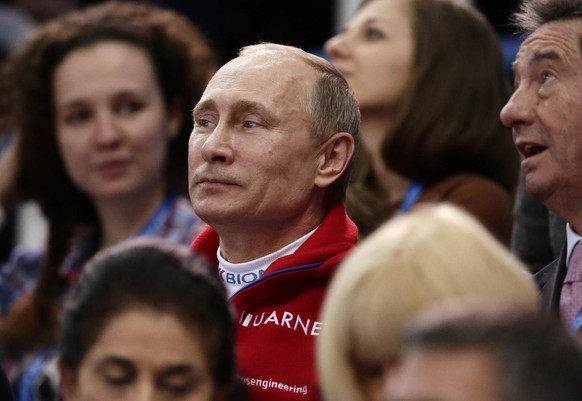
column 336, row 153
column 67, row 383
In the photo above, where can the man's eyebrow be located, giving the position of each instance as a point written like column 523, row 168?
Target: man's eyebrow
column 538, row 57
column 239, row 106
column 204, row 105
column 242, row 106
column 546, row 55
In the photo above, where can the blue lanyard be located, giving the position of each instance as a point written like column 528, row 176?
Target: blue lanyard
column 153, row 226
column 33, row 373
column 412, row 194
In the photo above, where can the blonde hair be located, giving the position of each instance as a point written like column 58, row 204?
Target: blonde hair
column 436, row 253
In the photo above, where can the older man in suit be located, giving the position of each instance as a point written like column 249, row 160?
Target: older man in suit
column 544, row 112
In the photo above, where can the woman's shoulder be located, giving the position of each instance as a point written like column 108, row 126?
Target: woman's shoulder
column 482, row 197
column 466, row 186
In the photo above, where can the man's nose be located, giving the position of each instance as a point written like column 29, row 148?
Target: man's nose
column 519, row 109
column 217, row 147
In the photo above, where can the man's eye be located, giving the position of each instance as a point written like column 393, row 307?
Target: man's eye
column 546, row 76
column 250, row 124
column 202, row 123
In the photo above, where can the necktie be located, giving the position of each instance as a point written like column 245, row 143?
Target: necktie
column 571, row 296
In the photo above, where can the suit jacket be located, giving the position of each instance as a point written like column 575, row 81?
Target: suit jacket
column 538, row 233
column 550, row 280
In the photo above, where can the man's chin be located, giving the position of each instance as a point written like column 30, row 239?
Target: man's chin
column 217, row 217
column 538, row 189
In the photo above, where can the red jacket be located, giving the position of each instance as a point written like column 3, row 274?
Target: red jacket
column 278, row 316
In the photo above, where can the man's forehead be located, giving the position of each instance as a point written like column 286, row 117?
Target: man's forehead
column 262, row 63
column 263, row 76
column 554, row 40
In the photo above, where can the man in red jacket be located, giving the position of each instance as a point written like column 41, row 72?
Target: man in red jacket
column 269, row 159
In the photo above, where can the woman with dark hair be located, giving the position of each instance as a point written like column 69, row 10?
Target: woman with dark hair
column 430, row 79
column 101, row 103
column 148, row 317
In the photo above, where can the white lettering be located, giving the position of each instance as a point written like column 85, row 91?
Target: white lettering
column 255, row 323
column 247, row 320
column 284, row 319
column 316, row 328
column 305, row 326
column 270, row 383
column 240, row 278
column 272, row 318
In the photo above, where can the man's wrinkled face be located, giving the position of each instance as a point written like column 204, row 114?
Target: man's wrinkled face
column 544, row 111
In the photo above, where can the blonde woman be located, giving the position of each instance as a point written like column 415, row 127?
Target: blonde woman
column 436, row 253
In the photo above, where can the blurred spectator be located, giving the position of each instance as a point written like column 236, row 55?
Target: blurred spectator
column 430, row 80
column 434, row 254
column 111, row 89
column 148, row 320
column 485, row 353
column 20, row 225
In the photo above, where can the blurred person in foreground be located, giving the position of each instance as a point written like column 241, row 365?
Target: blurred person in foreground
column 148, row 321
column 434, row 254
column 486, row 353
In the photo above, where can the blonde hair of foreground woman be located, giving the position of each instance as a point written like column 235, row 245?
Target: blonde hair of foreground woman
column 436, row 253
